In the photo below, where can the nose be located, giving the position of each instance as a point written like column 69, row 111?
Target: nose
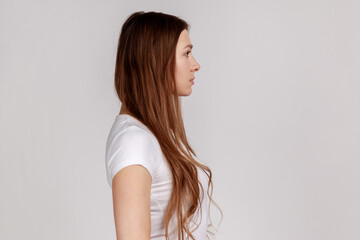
column 196, row 66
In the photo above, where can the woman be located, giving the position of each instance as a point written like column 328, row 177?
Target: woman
column 158, row 186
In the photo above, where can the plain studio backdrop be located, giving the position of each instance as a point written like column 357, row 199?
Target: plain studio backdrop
column 274, row 112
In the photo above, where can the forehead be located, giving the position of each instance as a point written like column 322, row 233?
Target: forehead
column 184, row 39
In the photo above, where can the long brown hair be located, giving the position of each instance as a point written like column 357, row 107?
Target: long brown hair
column 145, row 84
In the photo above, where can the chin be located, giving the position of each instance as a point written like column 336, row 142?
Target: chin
column 185, row 94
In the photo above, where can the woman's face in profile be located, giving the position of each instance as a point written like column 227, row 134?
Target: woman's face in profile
column 186, row 65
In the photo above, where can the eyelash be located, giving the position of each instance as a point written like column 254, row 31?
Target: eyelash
column 187, row 53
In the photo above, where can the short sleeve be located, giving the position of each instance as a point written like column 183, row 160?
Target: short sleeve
column 127, row 147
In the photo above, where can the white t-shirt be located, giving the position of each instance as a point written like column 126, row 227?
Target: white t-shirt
column 131, row 142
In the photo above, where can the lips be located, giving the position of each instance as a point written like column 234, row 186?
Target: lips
column 192, row 79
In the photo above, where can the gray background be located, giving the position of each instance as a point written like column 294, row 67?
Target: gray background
column 274, row 112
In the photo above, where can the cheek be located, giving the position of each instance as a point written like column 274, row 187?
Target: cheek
column 181, row 69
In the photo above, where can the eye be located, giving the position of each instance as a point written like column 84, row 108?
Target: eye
column 187, row 53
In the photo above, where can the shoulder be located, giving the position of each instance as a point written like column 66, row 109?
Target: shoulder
column 129, row 145
column 130, row 136
column 126, row 129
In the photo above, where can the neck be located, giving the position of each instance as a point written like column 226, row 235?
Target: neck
column 123, row 110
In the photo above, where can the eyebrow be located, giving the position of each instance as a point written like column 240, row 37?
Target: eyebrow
column 189, row 45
